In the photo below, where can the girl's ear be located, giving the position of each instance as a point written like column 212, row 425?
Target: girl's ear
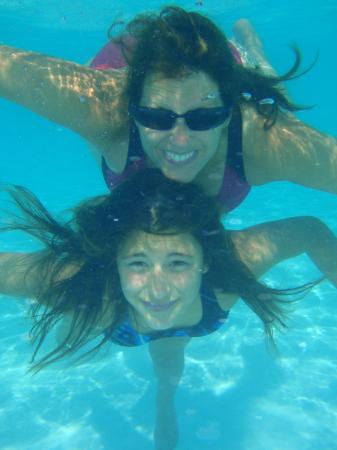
column 205, row 269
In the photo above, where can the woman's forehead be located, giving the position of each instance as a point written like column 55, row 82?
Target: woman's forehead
column 195, row 88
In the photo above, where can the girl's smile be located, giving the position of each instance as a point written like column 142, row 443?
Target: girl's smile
column 160, row 277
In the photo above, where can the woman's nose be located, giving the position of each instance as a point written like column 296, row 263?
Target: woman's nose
column 180, row 133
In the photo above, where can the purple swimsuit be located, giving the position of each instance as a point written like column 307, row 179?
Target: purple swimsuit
column 234, row 187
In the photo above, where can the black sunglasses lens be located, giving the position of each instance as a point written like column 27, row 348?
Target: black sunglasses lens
column 200, row 119
column 206, row 118
column 155, row 119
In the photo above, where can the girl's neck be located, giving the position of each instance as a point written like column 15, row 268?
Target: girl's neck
column 187, row 318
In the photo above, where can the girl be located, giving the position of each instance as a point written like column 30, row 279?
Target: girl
column 152, row 263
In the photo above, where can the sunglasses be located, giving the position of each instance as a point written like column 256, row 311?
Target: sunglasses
column 199, row 119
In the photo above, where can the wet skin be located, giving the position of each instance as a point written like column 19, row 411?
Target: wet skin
column 160, row 278
column 181, row 153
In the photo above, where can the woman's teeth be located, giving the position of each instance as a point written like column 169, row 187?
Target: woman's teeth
column 179, row 157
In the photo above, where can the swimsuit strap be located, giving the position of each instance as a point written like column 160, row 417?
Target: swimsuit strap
column 235, row 153
column 135, row 161
column 213, row 317
column 234, row 188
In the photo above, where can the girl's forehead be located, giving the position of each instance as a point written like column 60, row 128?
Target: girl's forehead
column 196, row 88
column 141, row 242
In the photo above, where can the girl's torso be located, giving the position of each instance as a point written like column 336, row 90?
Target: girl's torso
column 213, row 317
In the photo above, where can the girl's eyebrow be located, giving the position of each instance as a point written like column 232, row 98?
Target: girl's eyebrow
column 143, row 255
column 134, row 255
column 185, row 255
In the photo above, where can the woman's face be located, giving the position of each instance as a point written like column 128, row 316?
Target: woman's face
column 160, row 278
column 181, row 153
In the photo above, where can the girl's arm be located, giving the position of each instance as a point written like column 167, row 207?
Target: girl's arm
column 263, row 246
column 22, row 275
column 85, row 100
column 18, row 276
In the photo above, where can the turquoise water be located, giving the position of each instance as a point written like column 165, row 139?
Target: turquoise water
column 234, row 395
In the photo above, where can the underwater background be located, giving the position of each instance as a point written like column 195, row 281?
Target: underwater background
column 234, row 394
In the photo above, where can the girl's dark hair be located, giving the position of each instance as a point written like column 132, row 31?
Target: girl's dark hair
column 174, row 43
column 78, row 264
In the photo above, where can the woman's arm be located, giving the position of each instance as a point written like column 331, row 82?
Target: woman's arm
column 168, row 362
column 290, row 150
column 85, row 100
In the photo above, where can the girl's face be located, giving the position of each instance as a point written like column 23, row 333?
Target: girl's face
column 181, row 153
column 160, row 277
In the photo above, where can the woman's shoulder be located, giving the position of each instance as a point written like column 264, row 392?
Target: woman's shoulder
column 266, row 151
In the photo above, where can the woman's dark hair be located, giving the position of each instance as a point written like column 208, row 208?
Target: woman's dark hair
column 174, row 43
column 78, row 269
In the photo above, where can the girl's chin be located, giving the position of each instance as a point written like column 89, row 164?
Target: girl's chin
column 156, row 324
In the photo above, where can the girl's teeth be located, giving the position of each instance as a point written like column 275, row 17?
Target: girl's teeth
column 160, row 307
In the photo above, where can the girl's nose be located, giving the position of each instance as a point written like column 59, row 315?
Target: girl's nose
column 159, row 287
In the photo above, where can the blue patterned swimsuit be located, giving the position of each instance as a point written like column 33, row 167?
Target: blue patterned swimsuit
column 213, row 317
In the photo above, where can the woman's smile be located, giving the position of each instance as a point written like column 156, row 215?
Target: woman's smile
column 179, row 152
column 180, row 158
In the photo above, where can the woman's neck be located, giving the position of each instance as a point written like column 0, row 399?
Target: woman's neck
column 210, row 178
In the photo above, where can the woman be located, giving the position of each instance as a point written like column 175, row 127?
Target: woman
column 185, row 104
column 151, row 263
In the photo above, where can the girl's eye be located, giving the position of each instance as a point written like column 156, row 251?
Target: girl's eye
column 179, row 265
column 137, row 265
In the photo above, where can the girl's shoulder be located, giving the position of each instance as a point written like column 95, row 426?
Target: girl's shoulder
column 225, row 301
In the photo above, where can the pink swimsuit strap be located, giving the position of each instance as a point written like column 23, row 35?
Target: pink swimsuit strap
column 111, row 55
